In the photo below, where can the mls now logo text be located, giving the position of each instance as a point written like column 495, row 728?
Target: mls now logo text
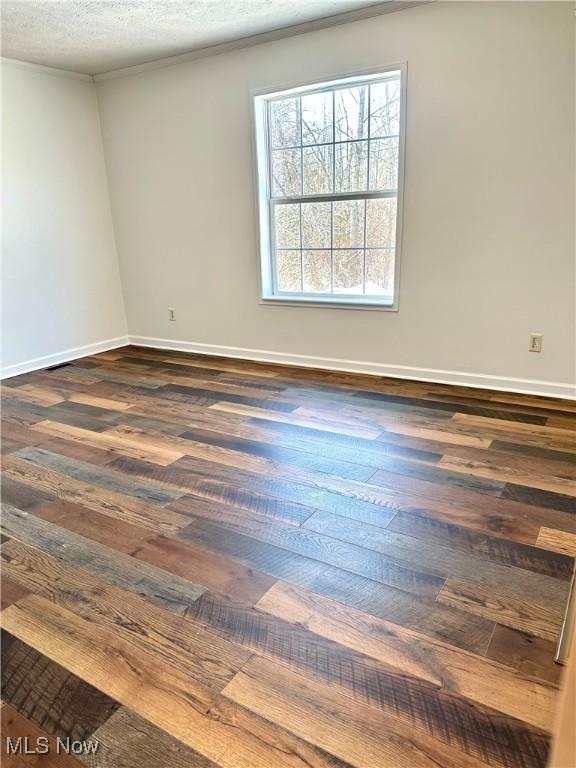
column 42, row 745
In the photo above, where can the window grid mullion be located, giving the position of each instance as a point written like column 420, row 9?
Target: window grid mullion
column 368, row 148
column 301, row 249
column 364, row 249
column 331, row 247
column 326, row 198
column 271, row 216
column 348, row 248
column 329, row 143
column 302, row 191
column 333, row 191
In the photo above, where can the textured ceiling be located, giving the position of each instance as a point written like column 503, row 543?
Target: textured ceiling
column 95, row 36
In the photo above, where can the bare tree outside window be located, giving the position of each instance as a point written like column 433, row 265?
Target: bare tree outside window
column 332, row 163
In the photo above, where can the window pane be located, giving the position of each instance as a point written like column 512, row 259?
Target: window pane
column 289, row 274
column 316, row 225
column 381, row 222
column 351, row 166
column 317, row 118
column 384, row 164
column 380, row 273
column 330, row 181
column 351, row 105
column 385, row 108
column 317, row 162
column 285, row 122
column 286, row 173
column 287, row 226
column 348, row 272
column 317, row 267
column 348, row 224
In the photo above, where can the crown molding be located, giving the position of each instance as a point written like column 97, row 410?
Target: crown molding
column 265, row 37
column 46, row 70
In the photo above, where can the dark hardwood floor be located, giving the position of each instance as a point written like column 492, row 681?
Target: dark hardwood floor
column 209, row 562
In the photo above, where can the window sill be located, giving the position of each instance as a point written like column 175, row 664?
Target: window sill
column 331, row 303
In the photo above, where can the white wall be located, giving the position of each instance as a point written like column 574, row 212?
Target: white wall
column 489, row 197
column 60, row 279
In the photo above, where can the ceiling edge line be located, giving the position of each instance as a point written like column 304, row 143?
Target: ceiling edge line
column 263, row 37
column 55, row 71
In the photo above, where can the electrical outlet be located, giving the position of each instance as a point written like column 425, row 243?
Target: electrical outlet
column 535, row 342
column 172, row 314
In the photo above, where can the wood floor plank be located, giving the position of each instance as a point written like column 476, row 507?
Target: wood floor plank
column 111, row 532
column 486, row 400
column 222, row 731
column 173, row 639
column 440, row 473
column 167, row 590
column 441, row 560
column 539, row 620
column 54, row 485
column 453, row 438
column 27, row 414
column 476, row 409
column 356, row 450
column 85, row 398
column 503, row 455
column 31, row 394
column 228, row 497
column 326, row 549
column 453, row 626
column 50, row 696
column 304, row 421
column 220, row 483
column 187, row 392
column 350, row 731
column 274, row 692
column 127, row 740
column 21, row 495
column 121, row 444
column 98, row 476
column 534, row 451
column 559, row 501
column 286, row 467
column 557, row 541
column 498, row 549
column 529, row 434
column 10, row 592
column 530, row 655
column 415, row 655
column 509, row 475
column 85, row 453
column 10, row 446
column 183, row 559
column 450, row 501
column 19, row 432
column 382, row 686
column 307, row 460
column 14, row 726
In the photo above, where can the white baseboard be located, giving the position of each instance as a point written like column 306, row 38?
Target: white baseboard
column 433, row 375
column 476, row 380
column 65, row 356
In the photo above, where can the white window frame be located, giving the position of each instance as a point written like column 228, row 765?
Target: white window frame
column 262, row 153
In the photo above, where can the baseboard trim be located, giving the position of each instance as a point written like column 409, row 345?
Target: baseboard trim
column 38, row 363
column 432, row 375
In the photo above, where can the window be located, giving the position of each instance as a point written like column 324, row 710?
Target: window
column 329, row 182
